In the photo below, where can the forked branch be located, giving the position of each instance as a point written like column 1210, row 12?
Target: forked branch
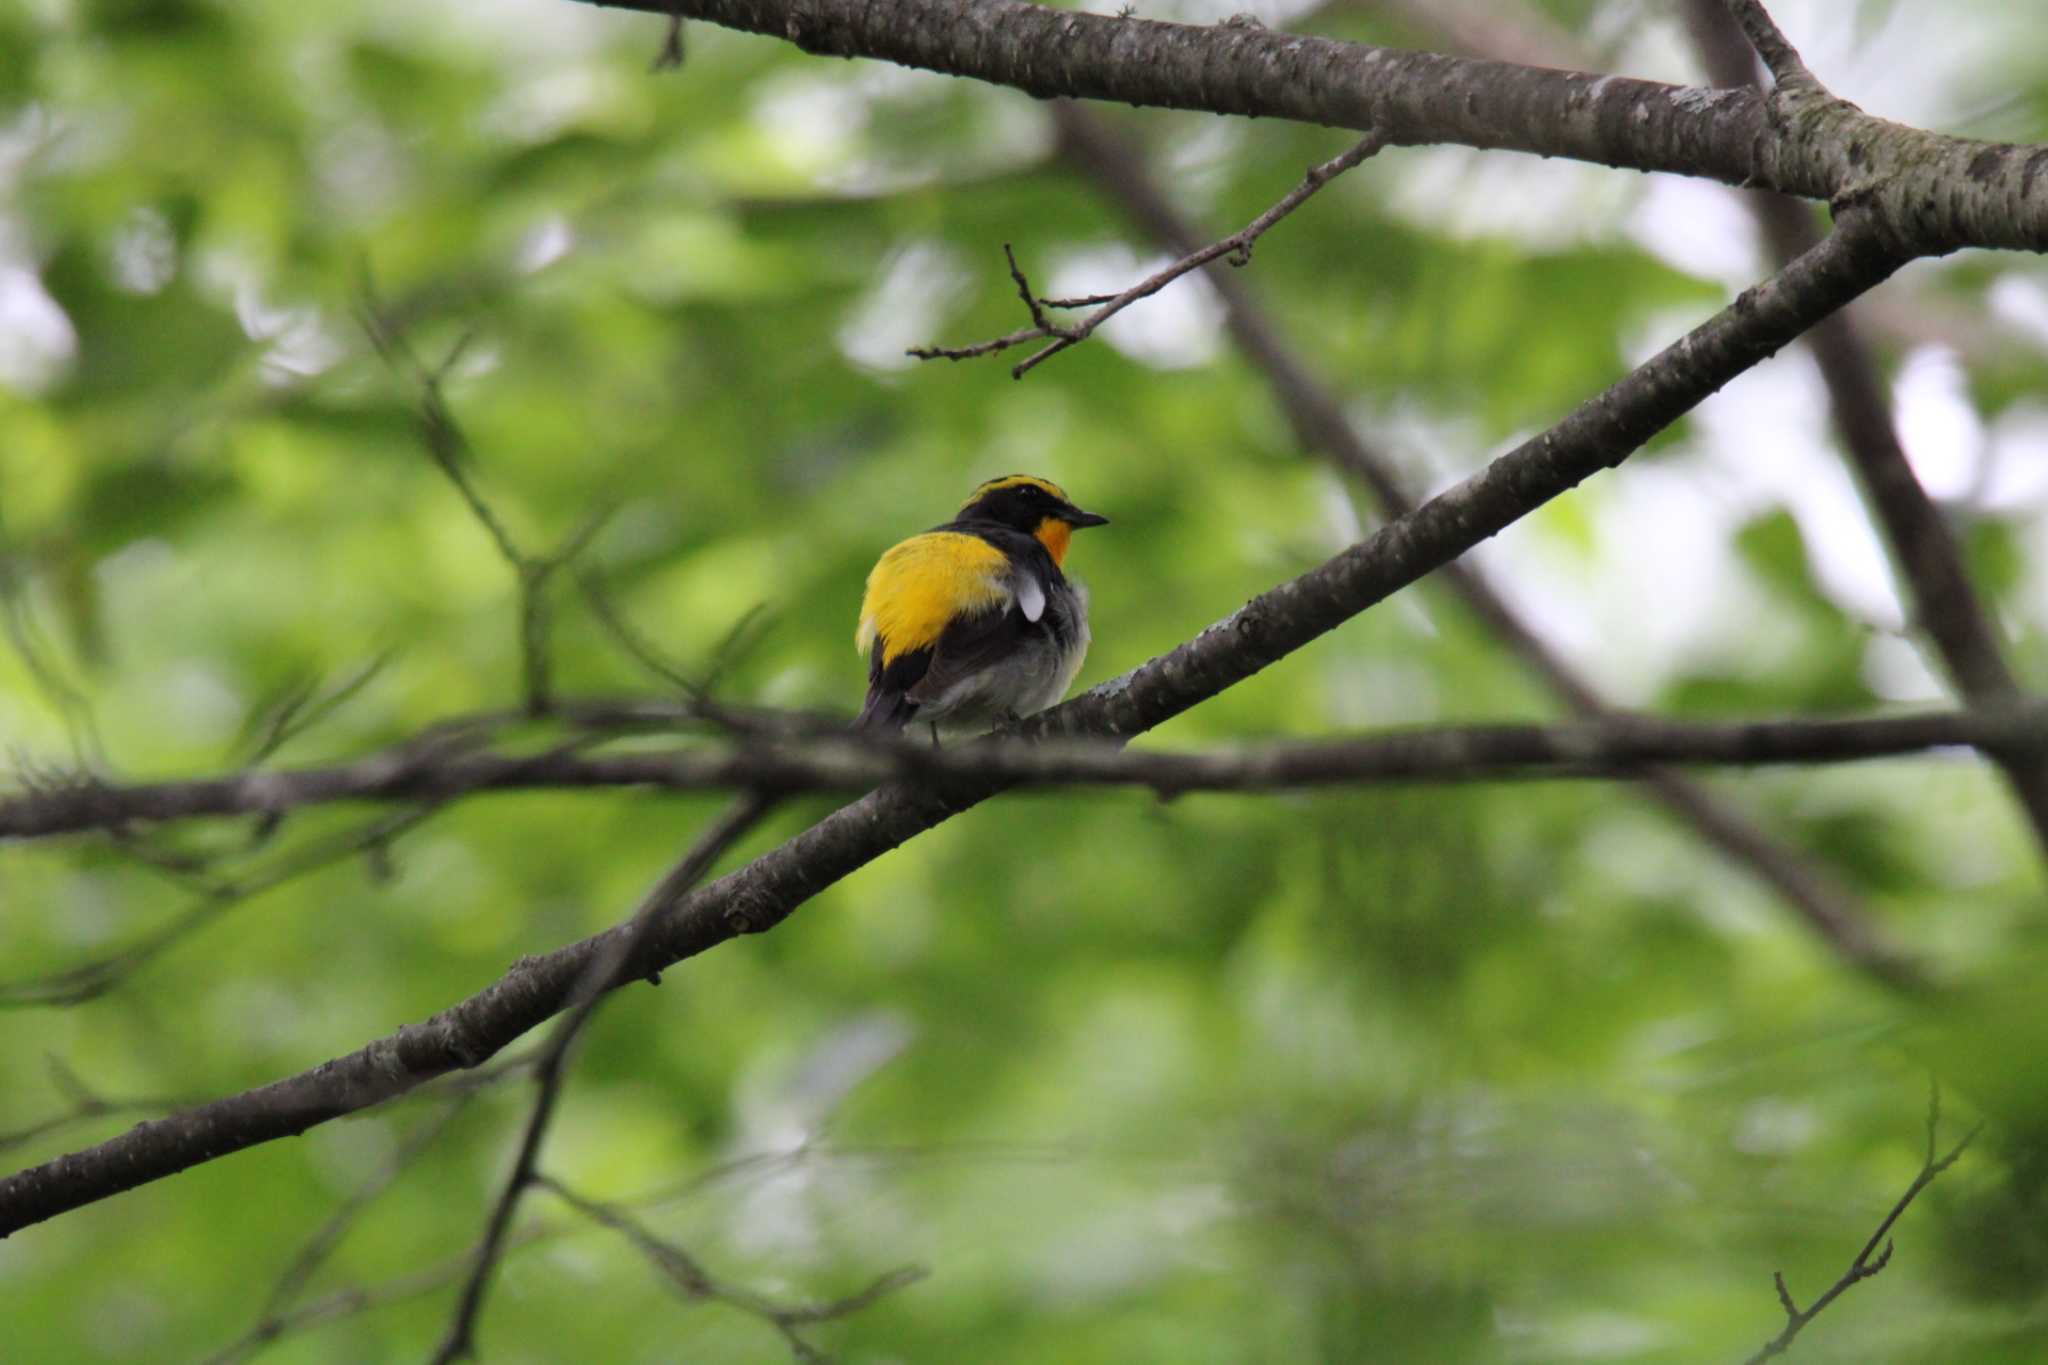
column 1236, row 248
column 1873, row 1257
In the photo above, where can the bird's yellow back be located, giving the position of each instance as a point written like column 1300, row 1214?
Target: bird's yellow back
column 920, row 585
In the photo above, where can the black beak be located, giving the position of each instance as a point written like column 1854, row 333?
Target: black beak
column 1077, row 519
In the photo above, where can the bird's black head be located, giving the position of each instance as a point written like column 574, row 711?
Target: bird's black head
column 1024, row 502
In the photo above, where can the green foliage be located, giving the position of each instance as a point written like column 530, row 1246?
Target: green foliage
column 1521, row 1072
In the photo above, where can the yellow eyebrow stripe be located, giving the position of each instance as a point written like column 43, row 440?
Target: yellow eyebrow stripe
column 921, row 585
column 1018, row 481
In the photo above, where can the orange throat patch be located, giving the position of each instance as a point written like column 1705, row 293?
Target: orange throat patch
column 1054, row 535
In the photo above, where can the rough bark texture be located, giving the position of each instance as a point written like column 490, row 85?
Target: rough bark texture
column 1926, row 192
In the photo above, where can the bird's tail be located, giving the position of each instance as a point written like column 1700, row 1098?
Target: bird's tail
column 886, row 712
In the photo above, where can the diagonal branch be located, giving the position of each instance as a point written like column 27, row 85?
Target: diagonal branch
column 1923, row 544
column 688, row 1276
column 1237, row 247
column 600, row 976
column 1320, row 424
column 1596, row 435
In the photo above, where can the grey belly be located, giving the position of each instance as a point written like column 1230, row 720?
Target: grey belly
column 1035, row 677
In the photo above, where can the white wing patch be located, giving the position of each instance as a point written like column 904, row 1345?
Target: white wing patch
column 1030, row 595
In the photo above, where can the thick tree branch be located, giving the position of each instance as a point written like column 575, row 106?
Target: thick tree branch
column 1598, row 434
column 1926, row 193
column 1320, row 424
column 1945, row 605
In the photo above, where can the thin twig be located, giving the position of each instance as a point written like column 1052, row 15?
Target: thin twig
column 351, row 1300
column 90, row 980
column 459, row 1342
column 1870, row 1260
column 84, row 1103
column 449, row 449
column 354, row 1299
column 302, row 706
column 272, row 1320
column 1237, row 247
column 698, row 687
column 70, row 703
column 696, row 1284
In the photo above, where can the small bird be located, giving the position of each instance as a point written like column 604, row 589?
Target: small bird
column 972, row 623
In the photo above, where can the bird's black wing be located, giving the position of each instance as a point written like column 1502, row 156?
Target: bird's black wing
column 967, row 646
column 889, row 706
column 973, row 643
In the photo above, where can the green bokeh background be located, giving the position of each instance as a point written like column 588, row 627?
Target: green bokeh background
column 1518, row 1072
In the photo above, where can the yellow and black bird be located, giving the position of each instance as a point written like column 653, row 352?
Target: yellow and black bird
column 973, row 623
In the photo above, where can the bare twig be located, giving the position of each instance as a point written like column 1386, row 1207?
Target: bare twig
column 698, row 687
column 354, row 1299
column 598, row 978
column 273, row 1319
column 70, row 702
column 90, row 980
column 1237, row 247
column 303, row 705
column 83, row 1103
column 696, row 1284
column 637, row 646
column 351, row 1300
column 449, row 449
column 1870, row 1260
